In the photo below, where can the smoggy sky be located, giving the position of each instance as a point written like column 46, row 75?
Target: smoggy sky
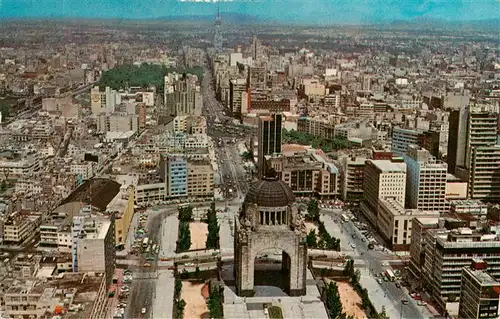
column 304, row 11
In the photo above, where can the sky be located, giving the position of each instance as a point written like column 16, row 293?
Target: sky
column 299, row 11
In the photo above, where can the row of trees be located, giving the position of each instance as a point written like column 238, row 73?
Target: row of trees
column 179, row 304
column 333, row 302
column 143, row 75
column 213, row 241
column 214, row 303
column 184, row 239
column 327, row 145
column 354, row 276
column 325, row 241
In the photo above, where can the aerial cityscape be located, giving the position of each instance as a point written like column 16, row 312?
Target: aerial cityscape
column 249, row 159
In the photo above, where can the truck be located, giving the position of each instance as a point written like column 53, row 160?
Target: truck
column 390, row 275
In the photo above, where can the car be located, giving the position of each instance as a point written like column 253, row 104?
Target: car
column 398, row 285
column 146, row 265
column 363, row 239
column 379, row 280
column 143, row 311
column 404, row 302
column 189, row 264
column 353, row 246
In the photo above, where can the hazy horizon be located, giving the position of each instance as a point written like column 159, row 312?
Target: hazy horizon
column 300, row 11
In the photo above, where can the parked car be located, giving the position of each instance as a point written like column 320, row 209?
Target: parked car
column 398, row 285
column 143, row 311
column 404, row 301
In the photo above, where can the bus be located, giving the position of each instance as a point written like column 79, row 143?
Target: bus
column 390, row 275
column 145, row 243
column 345, row 218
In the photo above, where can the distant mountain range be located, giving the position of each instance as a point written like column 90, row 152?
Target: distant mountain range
column 416, row 23
column 229, row 18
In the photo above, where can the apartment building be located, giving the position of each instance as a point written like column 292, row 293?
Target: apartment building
column 94, row 244
column 117, row 122
column 190, row 124
column 473, row 151
column 382, row 179
column 18, row 165
column 469, row 207
column 19, row 226
column 419, row 226
column 182, row 95
column 480, row 292
column 316, row 127
column 200, row 179
column 173, row 171
column 352, row 176
column 306, row 172
column 426, row 181
column 236, row 89
column 447, row 252
column 84, row 169
column 103, row 102
column 484, row 182
column 81, row 293
column 402, row 139
column 122, row 206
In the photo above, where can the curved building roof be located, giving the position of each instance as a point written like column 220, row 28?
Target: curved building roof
column 97, row 192
column 270, row 193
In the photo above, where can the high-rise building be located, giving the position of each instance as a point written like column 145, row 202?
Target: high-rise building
column 218, row 31
column 480, row 292
column 447, row 252
column 174, row 172
column 269, row 138
column 236, row 89
column 382, row 179
column 419, row 227
column 182, row 95
column 473, row 154
column 426, row 181
column 352, row 173
column 402, row 138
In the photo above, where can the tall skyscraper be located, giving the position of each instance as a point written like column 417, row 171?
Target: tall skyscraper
column 218, row 31
column 269, row 138
column 473, row 150
column 426, row 181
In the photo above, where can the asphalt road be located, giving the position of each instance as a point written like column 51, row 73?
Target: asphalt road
column 142, row 289
column 376, row 262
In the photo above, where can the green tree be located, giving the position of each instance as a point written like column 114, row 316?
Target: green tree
column 197, row 272
column 179, row 309
column 184, row 241
column 311, row 239
column 214, row 304
column 213, row 239
column 333, row 302
column 383, row 314
column 185, row 214
column 349, row 268
column 247, row 156
column 313, row 210
column 177, row 288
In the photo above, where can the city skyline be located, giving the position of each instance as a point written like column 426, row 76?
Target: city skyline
column 311, row 12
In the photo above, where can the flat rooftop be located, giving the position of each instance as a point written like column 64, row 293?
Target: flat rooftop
column 389, row 166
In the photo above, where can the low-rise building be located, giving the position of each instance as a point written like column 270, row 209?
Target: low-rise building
column 68, row 296
column 19, row 226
